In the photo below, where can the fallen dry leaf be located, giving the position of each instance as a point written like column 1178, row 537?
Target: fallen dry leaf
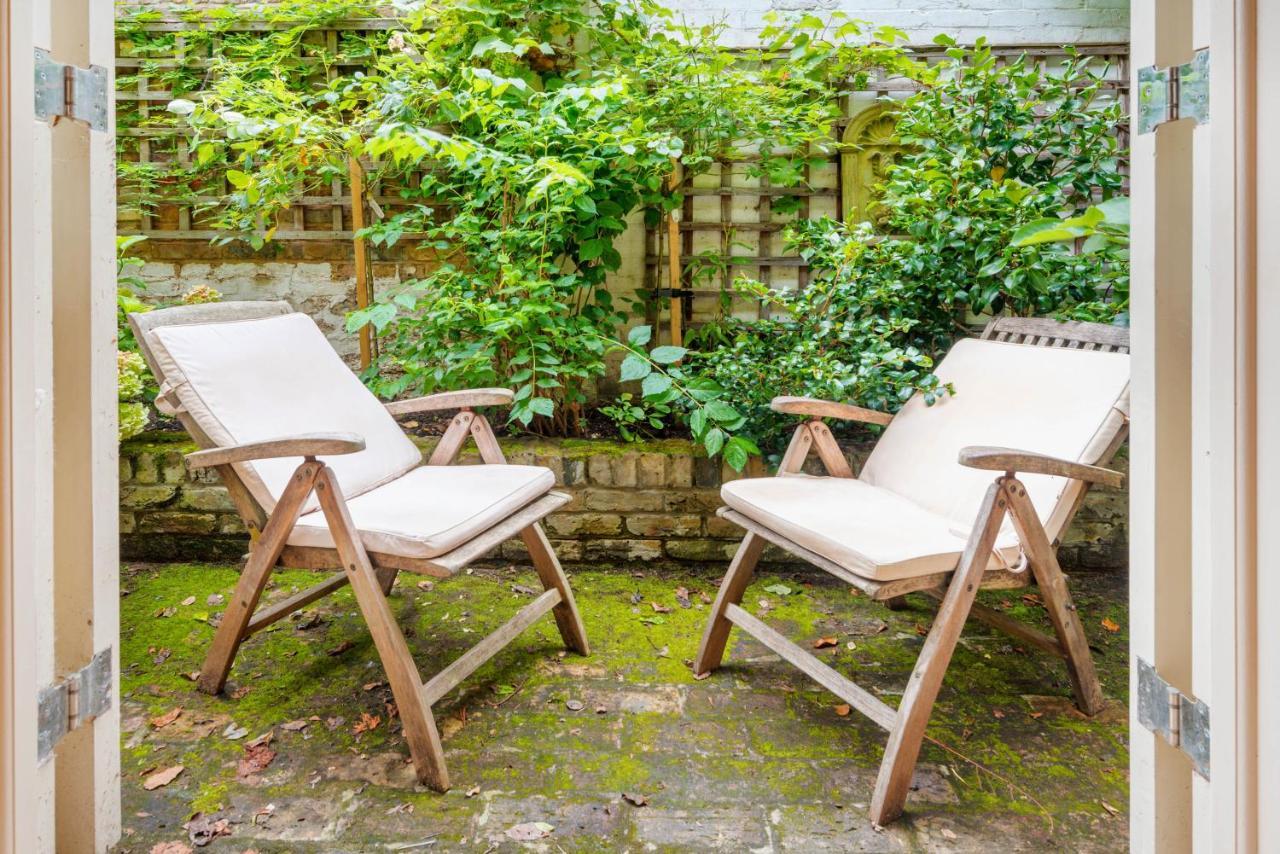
column 372, row 686
column 255, row 760
column 340, row 648
column 529, row 831
column 367, row 723
column 682, row 597
column 295, row 726
column 823, row 643
column 998, row 713
column 190, row 600
column 162, row 778
column 203, row 829
column 843, row 710
column 574, row 705
column 240, row 692
column 1110, row 809
column 161, row 721
column 659, row 609
column 405, row 807
column 473, row 791
column 171, row 848
column 948, row 833
column 1110, row 625
column 636, row 800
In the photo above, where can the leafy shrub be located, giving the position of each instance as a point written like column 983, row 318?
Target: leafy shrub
column 992, row 149
column 538, row 130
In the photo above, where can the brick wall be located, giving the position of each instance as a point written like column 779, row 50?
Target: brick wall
column 1001, row 21
column 646, row 503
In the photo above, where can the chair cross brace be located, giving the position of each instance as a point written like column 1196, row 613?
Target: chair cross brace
column 371, row 584
column 956, row 592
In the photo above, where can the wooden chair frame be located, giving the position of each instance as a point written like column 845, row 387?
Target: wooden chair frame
column 955, row 590
column 370, row 574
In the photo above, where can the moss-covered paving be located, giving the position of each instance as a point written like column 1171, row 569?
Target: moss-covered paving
column 623, row 750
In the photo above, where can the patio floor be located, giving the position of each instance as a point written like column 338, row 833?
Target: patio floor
column 624, row 750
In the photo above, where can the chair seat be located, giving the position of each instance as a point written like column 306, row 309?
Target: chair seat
column 866, row 529
column 432, row 510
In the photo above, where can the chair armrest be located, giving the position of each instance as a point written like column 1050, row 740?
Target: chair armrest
column 302, row 445
column 828, row 409
column 1010, row 460
column 464, row 399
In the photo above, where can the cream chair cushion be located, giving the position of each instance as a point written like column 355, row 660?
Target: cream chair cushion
column 871, row 531
column 912, row 508
column 433, row 509
column 250, row 380
column 1049, row 400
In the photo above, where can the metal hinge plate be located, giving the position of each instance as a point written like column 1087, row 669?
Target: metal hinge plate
column 70, row 91
column 76, row 700
column 1177, row 92
column 1183, row 721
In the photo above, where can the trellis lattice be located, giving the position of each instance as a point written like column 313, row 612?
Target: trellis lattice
column 729, row 226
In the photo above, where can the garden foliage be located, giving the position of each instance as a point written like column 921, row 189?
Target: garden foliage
column 995, row 152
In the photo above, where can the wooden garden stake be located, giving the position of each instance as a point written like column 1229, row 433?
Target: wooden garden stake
column 362, row 253
column 673, row 263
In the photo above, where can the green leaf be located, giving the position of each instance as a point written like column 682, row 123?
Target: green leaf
column 778, row 590
column 713, row 441
column 634, row 368
column 655, row 384
column 667, row 354
column 639, row 336
column 721, row 411
column 238, row 179
column 542, row 406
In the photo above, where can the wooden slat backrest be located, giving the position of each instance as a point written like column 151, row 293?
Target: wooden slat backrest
column 1047, row 332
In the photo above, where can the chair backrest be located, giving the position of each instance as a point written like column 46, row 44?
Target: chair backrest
column 247, row 371
column 1065, row 393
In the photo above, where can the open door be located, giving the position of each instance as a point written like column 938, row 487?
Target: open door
column 59, row 724
column 1205, row 499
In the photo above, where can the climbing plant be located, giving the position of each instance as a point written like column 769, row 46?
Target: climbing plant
column 534, row 132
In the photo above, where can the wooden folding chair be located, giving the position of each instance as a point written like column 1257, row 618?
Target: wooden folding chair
column 1042, row 402
column 324, row 477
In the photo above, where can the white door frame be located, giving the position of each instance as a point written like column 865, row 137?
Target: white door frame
column 59, row 566
column 1205, row 499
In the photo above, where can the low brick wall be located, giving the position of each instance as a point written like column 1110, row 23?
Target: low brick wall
column 632, row 503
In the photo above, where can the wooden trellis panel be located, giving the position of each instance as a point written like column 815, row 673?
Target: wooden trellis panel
column 181, row 215
column 729, row 227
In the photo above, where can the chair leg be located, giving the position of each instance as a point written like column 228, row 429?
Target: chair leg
column 896, row 603
column 716, row 635
column 253, row 579
column 1057, row 599
column 903, row 749
column 568, row 620
column 406, row 684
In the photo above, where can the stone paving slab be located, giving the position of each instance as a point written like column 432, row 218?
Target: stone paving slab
column 622, row 751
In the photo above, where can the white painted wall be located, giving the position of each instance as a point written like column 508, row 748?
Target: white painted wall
column 1001, row 21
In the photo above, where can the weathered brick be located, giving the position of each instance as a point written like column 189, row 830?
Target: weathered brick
column 146, row 495
column 622, row 550
column 664, row 525
column 204, row 498
column 584, row 524
column 701, row 550
column 692, row 500
column 575, row 472
column 177, row 522
column 680, row 471
column 145, row 469
column 230, row 523
column 173, row 468
column 723, row 529
column 128, row 523
column 651, row 470
column 126, row 469
column 623, row 499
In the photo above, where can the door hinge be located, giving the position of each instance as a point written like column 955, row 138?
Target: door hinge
column 70, row 91
column 1183, row 721
column 1176, row 92
column 73, row 702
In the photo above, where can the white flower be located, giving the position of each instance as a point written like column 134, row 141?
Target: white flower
column 181, row 107
column 396, row 41
column 231, row 117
